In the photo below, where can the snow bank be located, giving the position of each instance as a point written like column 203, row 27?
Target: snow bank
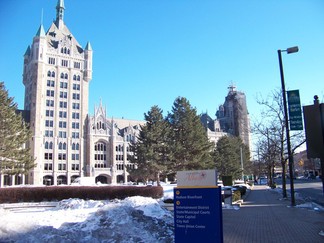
column 135, row 219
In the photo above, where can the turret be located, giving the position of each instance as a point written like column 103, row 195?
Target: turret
column 60, row 14
column 39, row 44
column 88, row 62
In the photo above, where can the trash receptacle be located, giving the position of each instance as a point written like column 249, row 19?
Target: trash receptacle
column 227, row 195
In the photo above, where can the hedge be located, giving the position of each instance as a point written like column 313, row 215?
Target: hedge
column 57, row 193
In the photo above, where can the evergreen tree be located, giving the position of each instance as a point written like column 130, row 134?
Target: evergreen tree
column 14, row 134
column 227, row 156
column 151, row 148
column 191, row 149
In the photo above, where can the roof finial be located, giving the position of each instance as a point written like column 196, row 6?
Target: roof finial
column 232, row 87
column 42, row 16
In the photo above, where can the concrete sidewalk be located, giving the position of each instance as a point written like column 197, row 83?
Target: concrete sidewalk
column 265, row 217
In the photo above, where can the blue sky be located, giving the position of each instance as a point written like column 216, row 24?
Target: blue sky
column 148, row 52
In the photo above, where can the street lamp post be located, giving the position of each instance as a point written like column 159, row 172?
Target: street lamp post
column 290, row 156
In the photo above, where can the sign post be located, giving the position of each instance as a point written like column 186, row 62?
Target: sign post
column 294, row 108
column 198, row 207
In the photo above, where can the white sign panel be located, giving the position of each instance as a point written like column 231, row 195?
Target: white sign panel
column 197, row 178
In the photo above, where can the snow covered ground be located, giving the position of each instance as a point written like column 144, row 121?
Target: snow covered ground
column 134, row 219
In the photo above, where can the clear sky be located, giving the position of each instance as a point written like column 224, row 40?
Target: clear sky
column 148, row 52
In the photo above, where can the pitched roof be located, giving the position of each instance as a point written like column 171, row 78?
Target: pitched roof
column 88, row 47
column 40, row 31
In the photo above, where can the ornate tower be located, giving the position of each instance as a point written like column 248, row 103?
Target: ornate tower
column 56, row 75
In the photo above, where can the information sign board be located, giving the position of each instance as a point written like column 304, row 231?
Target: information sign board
column 198, row 215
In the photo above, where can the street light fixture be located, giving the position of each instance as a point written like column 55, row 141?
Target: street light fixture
column 290, row 157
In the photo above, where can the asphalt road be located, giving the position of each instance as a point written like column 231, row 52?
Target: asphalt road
column 309, row 190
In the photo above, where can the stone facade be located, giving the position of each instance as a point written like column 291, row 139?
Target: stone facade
column 109, row 146
column 66, row 142
column 232, row 118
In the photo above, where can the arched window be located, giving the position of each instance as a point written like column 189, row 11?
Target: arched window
column 68, row 51
column 62, row 75
column 60, row 145
column 53, row 74
column 78, row 78
column 95, row 147
column 49, row 74
column 73, row 146
column 46, row 145
column 66, row 76
column 77, row 146
column 50, row 145
column 74, row 77
column 64, row 146
column 62, row 50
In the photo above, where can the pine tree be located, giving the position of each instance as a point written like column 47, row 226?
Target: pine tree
column 227, row 156
column 151, row 148
column 14, row 134
column 191, row 149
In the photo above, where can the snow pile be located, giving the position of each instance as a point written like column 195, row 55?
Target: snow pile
column 135, row 219
column 79, row 204
column 306, row 205
column 150, row 207
column 311, row 206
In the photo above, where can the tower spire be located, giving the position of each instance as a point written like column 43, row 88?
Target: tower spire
column 60, row 13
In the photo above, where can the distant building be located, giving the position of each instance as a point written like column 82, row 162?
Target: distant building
column 214, row 131
column 232, row 118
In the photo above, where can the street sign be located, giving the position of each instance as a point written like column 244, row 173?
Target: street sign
column 294, row 108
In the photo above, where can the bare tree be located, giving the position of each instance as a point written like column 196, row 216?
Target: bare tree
column 271, row 131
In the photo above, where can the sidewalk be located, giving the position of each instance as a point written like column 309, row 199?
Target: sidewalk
column 263, row 217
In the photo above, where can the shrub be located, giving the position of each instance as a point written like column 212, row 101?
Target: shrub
column 241, row 189
column 273, row 186
column 56, row 193
column 236, row 196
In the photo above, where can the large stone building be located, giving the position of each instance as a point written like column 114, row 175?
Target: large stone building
column 66, row 142
column 232, row 118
